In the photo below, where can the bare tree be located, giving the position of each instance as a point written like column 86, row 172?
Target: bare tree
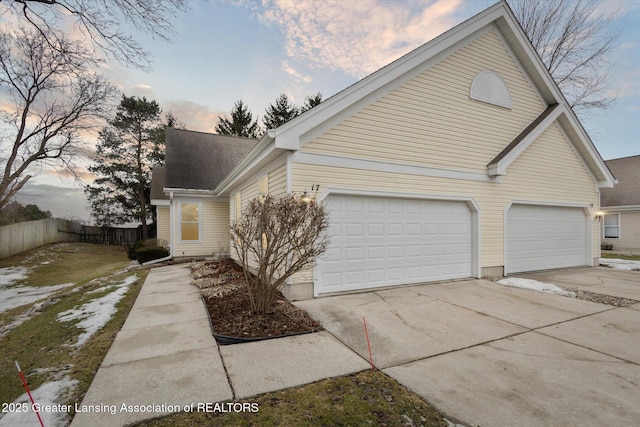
column 573, row 40
column 55, row 99
column 101, row 22
column 280, row 236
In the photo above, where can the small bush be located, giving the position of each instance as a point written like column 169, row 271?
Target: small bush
column 149, row 253
column 282, row 235
column 131, row 250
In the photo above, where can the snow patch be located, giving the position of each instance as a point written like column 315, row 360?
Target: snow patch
column 52, row 393
column 96, row 313
column 22, row 295
column 534, row 285
column 10, row 275
column 621, row 264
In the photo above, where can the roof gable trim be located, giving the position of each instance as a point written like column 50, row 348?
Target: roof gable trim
column 498, row 166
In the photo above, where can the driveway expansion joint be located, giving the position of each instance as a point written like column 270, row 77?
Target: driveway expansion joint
column 226, row 372
column 526, row 331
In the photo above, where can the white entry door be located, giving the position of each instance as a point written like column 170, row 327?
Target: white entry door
column 386, row 241
column 546, row 237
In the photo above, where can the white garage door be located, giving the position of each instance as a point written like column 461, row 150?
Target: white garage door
column 545, row 237
column 378, row 242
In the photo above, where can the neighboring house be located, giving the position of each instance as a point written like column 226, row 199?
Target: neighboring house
column 192, row 220
column 461, row 159
column 621, row 205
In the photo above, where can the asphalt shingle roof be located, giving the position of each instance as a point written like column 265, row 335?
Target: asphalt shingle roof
column 157, row 183
column 197, row 160
column 627, row 191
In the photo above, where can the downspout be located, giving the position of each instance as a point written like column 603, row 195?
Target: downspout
column 171, row 236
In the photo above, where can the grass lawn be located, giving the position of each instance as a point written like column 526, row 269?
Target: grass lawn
column 43, row 345
column 367, row 398
column 620, row 256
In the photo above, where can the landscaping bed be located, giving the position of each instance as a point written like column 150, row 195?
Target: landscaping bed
column 226, row 298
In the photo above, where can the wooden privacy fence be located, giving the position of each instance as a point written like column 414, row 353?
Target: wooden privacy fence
column 27, row 235
column 111, row 235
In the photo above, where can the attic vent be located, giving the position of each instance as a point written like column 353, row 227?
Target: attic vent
column 489, row 87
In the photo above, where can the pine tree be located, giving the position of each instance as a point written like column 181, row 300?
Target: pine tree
column 128, row 148
column 241, row 123
column 280, row 113
column 311, row 101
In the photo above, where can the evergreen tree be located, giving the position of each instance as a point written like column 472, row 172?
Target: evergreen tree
column 311, row 101
column 241, row 123
column 128, row 148
column 280, row 113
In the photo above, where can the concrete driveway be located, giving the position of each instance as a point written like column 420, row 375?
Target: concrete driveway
column 489, row 355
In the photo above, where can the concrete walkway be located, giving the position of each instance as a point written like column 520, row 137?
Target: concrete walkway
column 165, row 359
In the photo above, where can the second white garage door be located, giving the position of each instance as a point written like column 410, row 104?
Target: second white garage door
column 545, row 237
column 380, row 241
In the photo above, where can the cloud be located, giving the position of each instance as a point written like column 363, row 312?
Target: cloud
column 627, row 83
column 62, row 202
column 194, row 116
column 298, row 77
column 357, row 37
column 141, row 90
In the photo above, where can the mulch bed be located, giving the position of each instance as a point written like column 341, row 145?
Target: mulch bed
column 226, row 298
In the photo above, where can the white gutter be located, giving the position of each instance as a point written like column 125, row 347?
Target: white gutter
column 262, row 149
column 171, row 248
column 188, row 191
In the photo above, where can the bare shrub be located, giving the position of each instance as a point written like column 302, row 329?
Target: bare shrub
column 278, row 236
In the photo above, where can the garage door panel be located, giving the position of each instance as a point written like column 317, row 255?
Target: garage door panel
column 545, row 237
column 375, row 230
column 414, row 251
column 403, row 241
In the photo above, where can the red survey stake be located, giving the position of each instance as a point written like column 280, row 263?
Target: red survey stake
column 26, row 387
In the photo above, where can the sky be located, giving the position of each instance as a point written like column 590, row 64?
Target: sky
column 223, row 51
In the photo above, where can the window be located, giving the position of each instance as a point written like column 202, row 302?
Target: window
column 189, row 221
column 612, row 226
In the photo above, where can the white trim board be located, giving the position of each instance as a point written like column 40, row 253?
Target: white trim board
column 375, row 165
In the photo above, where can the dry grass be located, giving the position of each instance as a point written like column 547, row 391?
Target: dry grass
column 367, row 398
column 41, row 344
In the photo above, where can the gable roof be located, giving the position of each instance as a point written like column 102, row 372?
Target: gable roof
column 314, row 122
column 198, row 160
column 157, row 184
column 627, row 191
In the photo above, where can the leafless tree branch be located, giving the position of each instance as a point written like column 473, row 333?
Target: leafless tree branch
column 101, row 22
column 55, row 98
column 278, row 237
column 574, row 41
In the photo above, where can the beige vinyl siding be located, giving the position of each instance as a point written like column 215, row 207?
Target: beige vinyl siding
column 249, row 193
column 235, row 205
column 275, row 182
column 548, row 171
column 431, row 121
column 214, row 229
column 164, row 225
column 629, row 230
column 278, row 181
